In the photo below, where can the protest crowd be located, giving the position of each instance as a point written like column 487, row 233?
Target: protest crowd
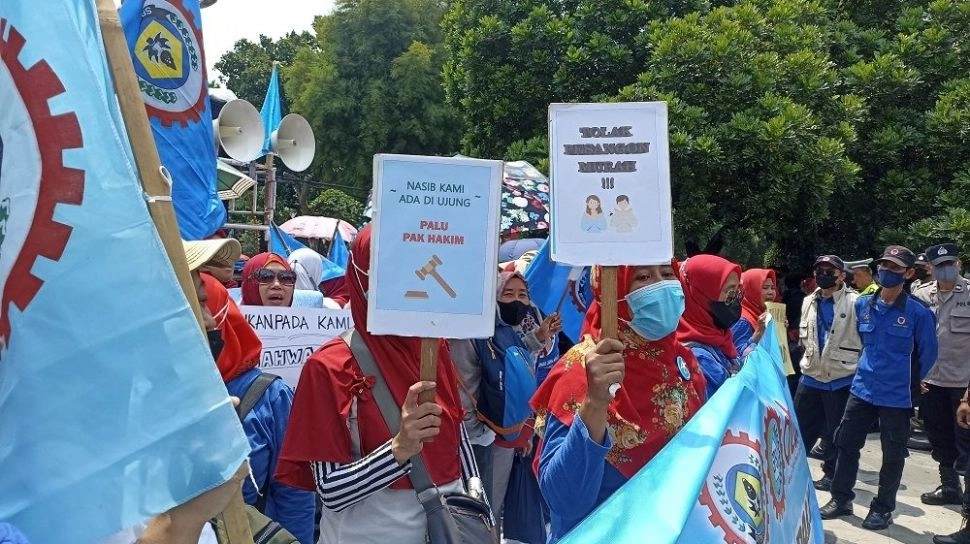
column 865, row 363
column 473, row 384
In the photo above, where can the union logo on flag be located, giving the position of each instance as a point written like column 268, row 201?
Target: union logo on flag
column 168, row 60
column 33, row 177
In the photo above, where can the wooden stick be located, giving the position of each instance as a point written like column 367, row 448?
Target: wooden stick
column 608, row 308
column 608, row 302
column 162, row 213
column 429, row 366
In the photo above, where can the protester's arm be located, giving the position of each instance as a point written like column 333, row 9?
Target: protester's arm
column 714, row 372
column 343, row 485
column 183, row 524
column 743, row 334
column 927, row 344
column 571, row 467
column 292, row 508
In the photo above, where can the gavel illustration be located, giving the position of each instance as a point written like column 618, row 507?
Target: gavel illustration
column 430, row 269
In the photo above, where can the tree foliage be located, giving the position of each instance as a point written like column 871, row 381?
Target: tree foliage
column 373, row 84
column 797, row 126
column 247, row 67
column 338, row 204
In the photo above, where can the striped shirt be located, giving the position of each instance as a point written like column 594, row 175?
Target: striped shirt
column 342, row 485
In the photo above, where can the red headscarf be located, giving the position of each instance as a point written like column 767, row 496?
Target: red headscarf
column 250, row 287
column 654, row 402
column 242, row 347
column 753, row 303
column 703, row 277
column 331, row 379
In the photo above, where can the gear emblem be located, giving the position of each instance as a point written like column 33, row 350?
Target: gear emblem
column 734, row 493
column 33, row 177
column 169, row 62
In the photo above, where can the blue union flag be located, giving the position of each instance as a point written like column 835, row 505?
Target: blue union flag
column 111, row 409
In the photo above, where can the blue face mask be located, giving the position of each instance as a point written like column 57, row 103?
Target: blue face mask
column 656, row 309
column 946, row 273
column 890, row 279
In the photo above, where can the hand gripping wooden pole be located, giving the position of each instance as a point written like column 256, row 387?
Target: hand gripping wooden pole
column 608, row 304
column 154, row 184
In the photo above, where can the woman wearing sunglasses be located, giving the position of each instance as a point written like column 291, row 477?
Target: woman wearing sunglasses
column 712, row 289
column 268, row 280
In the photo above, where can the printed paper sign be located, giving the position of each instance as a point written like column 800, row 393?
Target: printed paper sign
column 434, row 249
column 779, row 315
column 291, row 335
column 610, row 181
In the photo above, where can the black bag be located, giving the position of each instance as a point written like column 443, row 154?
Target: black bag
column 453, row 518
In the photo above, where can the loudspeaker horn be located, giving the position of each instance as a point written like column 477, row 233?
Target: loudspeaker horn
column 293, row 141
column 239, row 130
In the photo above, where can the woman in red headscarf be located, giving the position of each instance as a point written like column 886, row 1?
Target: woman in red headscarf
column 265, row 424
column 713, row 304
column 592, row 443
column 759, row 286
column 340, row 445
column 268, row 280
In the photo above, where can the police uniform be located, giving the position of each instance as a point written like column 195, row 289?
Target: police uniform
column 892, row 334
column 948, row 380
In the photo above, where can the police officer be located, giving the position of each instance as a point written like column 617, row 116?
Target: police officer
column 894, row 329
column 949, row 298
column 923, row 273
column 862, row 276
column 827, row 332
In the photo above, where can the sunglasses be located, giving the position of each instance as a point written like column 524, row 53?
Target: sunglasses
column 266, row 276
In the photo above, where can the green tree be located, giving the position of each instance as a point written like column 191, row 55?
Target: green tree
column 338, row 204
column 373, row 84
column 246, row 69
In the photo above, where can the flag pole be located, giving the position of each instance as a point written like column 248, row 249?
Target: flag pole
column 608, row 321
column 154, row 184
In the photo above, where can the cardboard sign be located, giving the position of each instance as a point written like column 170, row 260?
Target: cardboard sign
column 777, row 311
column 434, row 248
column 610, row 184
column 291, row 335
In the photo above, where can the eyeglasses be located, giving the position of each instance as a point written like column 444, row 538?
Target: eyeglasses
column 734, row 296
column 266, row 276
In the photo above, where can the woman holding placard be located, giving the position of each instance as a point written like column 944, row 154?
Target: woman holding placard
column 712, row 286
column 339, row 443
column 592, row 442
column 759, row 286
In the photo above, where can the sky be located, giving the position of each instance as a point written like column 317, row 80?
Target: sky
column 230, row 20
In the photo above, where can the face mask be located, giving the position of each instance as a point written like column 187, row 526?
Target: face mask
column 890, row 279
column 725, row 314
column 920, row 273
column 826, row 281
column 215, row 343
column 946, row 273
column 512, row 313
column 656, row 309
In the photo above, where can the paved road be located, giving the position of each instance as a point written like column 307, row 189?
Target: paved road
column 913, row 522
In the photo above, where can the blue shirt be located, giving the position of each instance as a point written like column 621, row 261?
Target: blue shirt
column 826, row 319
column 716, row 366
column 743, row 334
column 893, row 338
column 574, row 476
column 265, row 426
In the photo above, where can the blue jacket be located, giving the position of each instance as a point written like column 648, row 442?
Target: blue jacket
column 265, row 427
column 574, row 476
column 743, row 334
column 893, row 337
column 716, row 366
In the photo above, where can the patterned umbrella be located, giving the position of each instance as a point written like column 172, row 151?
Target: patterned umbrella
column 310, row 226
column 525, row 201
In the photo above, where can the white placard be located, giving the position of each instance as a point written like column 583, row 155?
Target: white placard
column 434, row 247
column 291, row 335
column 610, row 183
